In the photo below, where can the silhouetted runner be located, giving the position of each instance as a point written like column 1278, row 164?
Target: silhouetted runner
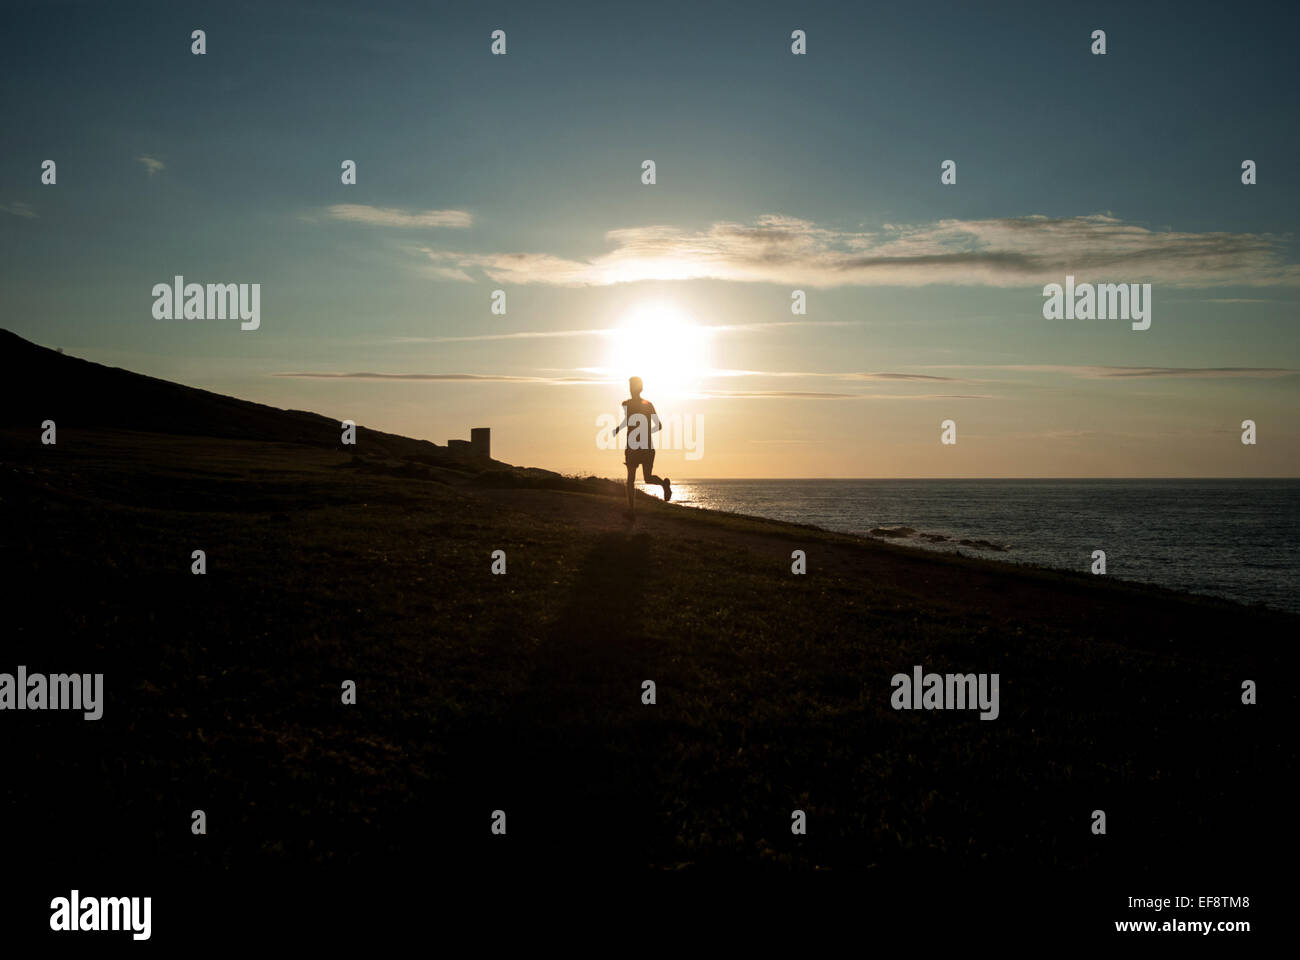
column 641, row 420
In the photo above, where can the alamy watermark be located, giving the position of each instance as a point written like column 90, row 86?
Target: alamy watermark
column 951, row 691
column 76, row 913
column 58, row 691
column 1102, row 301
column 675, row 432
column 179, row 300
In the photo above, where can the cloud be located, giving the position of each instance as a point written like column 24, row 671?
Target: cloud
column 1005, row 252
column 611, row 331
column 600, row 380
column 915, row 377
column 19, row 209
column 452, row 377
column 152, row 164
column 1203, row 373
column 404, row 219
column 520, row 335
column 723, row 372
column 812, row 395
column 1198, row 372
column 894, row 376
column 778, row 395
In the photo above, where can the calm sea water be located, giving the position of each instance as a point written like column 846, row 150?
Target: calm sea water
column 1238, row 539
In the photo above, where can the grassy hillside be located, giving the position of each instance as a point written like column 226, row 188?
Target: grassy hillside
column 40, row 384
column 522, row 692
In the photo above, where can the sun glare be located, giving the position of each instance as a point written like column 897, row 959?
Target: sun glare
column 659, row 343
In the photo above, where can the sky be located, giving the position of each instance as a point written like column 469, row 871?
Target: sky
column 774, row 173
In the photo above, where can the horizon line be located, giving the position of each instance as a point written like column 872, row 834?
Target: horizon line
column 698, row 479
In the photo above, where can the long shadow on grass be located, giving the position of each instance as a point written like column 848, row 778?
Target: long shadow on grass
column 571, row 760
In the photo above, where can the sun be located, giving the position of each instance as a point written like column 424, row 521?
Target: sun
column 659, row 342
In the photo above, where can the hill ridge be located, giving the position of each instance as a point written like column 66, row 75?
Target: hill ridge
column 38, row 383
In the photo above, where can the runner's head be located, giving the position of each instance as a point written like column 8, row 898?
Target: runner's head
column 635, row 385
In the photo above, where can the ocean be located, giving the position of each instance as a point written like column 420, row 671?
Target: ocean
column 1238, row 539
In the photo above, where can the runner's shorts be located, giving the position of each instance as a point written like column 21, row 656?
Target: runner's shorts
column 640, row 458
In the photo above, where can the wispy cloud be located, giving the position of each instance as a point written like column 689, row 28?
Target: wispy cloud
column 452, row 377
column 396, row 217
column 520, row 335
column 813, row 395
column 19, row 209
column 1005, row 252
column 1197, row 372
column 599, row 379
column 778, row 395
column 708, row 330
column 913, row 377
column 894, row 376
column 1207, row 373
column 151, row 164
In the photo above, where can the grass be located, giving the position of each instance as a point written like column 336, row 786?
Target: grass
column 522, row 692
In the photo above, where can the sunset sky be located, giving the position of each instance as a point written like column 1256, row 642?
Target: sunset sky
column 774, row 173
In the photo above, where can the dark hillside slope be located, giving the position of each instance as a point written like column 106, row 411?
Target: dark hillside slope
column 38, row 384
